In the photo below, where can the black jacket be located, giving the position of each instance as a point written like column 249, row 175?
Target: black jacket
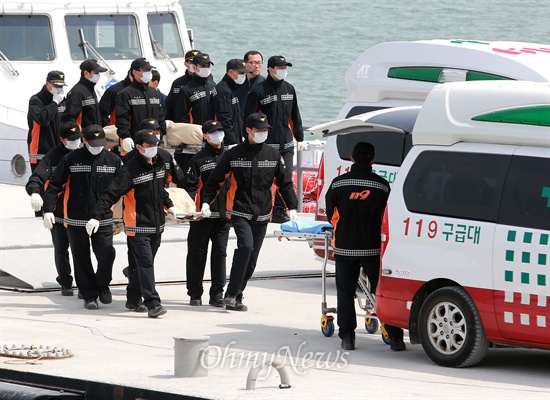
column 227, row 110
column 136, row 102
column 175, row 173
column 355, row 204
column 107, row 103
column 193, row 102
column 40, row 178
column 143, row 187
column 177, row 84
column 243, row 90
column 85, row 177
column 81, row 105
column 252, row 170
column 43, row 121
column 200, row 168
column 277, row 100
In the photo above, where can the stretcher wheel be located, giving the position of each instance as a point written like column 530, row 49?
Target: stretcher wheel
column 385, row 336
column 371, row 324
column 327, row 325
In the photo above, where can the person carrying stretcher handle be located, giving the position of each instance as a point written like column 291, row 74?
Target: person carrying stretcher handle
column 252, row 168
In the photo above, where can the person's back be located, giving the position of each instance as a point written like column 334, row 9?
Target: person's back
column 107, row 103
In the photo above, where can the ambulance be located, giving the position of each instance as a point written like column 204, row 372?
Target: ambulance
column 466, row 232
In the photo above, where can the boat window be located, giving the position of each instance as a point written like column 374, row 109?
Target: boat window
column 165, row 29
column 115, row 37
column 26, row 38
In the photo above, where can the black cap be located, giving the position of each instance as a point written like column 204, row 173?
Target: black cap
column 95, row 135
column 146, row 136
column 190, row 54
column 211, row 126
column 277, row 61
column 70, row 131
column 258, row 121
column 140, row 63
column 149, row 123
column 91, row 66
column 363, row 153
column 56, row 78
column 202, row 59
column 237, row 64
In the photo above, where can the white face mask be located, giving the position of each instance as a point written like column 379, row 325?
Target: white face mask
column 216, row 137
column 191, row 68
column 147, row 76
column 94, row 78
column 280, row 74
column 260, row 137
column 73, row 144
column 55, row 91
column 204, row 72
column 94, row 150
column 240, row 79
column 150, row 152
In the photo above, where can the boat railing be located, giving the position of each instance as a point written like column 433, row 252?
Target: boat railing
column 7, row 63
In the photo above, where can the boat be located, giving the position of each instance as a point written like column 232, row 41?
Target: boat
column 38, row 37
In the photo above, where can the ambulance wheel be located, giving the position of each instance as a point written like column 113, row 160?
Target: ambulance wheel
column 371, row 324
column 327, row 325
column 450, row 328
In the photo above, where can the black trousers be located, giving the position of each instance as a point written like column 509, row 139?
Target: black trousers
column 200, row 234
column 279, row 203
column 144, row 249
column 89, row 282
column 60, row 241
column 250, row 238
column 347, row 275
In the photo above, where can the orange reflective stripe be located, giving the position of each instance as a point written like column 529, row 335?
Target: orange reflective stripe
column 35, row 137
column 130, row 211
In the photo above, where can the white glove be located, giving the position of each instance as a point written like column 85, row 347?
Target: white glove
column 293, row 215
column 91, row 226
column 174, row 212
column 49, row 220
column 58, row 97
column 301, row 146
column 36, row 202
column 205, row 210
column 127, row 144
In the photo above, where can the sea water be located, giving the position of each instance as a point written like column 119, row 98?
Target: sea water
column 321, row 38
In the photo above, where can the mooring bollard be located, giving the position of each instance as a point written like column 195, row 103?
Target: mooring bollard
column 188, row 356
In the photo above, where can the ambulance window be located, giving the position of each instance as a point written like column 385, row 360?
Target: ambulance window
column 26, row 38
column 391, row 147
column 456, row 184
column 526, row 197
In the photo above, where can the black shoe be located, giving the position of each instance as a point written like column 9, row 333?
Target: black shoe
column 230, row 301
column 195, row 302
column 239, row 306
column 137, row 307
column 90, row 304
column 279, row 217
column 397, row 344
column 67, row 290
column 216, row 301
column 80, row 295
column 348, row 342
column 105, row 296
column 157, row 311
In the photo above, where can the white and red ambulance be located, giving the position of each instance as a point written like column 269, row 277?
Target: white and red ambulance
column 466, row 235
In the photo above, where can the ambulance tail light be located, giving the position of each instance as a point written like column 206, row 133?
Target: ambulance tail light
column 320, row 213
column 385, row 233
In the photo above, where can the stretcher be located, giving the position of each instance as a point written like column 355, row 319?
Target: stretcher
column 314, row 232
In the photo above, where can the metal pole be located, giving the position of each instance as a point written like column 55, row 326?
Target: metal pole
column 299, row 185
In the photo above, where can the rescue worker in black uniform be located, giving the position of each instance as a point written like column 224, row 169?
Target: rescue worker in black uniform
column 137, row 102
column 81, row 105
column 178, row 83
column 107, row 103
column 355, row 204
column 43, row 118
column 70, row 140
column 84, row 175
column 142, row 182
column 276, row 98
column 226, row 105
column 214, row 228
column 193, row 102
column 252, row 167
